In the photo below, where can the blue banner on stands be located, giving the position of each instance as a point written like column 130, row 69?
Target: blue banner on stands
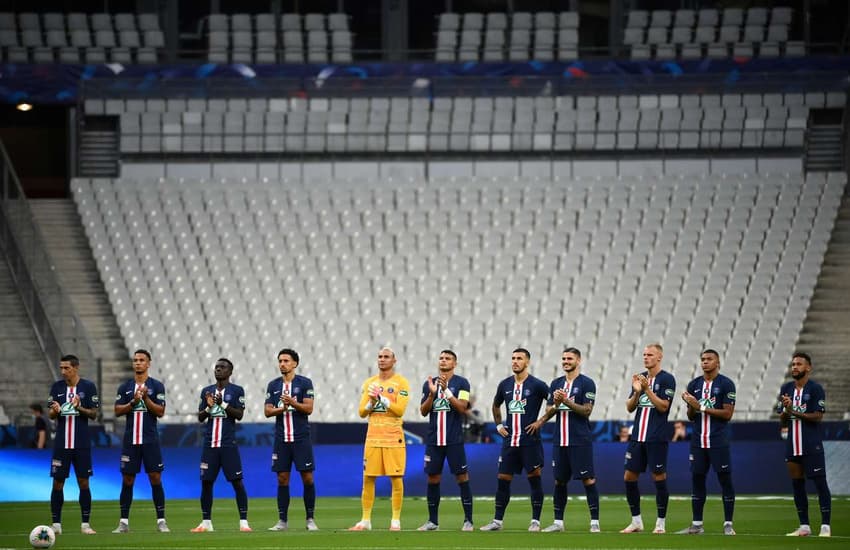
column 758, row 468
column 64, row 84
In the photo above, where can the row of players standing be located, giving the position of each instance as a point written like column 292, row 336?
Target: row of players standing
column 445, row 399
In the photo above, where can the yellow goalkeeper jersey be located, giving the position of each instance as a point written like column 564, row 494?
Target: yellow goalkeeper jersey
column 385, row 422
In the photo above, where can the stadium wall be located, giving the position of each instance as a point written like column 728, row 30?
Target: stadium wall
column 540, row 169
column 758, row 468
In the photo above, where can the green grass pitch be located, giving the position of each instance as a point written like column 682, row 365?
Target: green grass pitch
column 760, row 522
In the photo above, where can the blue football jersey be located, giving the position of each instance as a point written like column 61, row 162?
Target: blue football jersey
column 291, row 425
column 445, row 425
column 572, row 429
column 522, row 401
column 220, row 430
column 650, row 424
column 141, row 424
column 72, row 428
column 804, row 437
column 713, row 394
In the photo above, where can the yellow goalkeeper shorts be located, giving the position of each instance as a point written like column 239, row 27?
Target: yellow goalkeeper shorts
column 384, row 461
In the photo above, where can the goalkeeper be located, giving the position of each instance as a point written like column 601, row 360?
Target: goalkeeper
column 384, row 400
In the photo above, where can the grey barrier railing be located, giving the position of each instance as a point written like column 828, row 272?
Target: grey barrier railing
column 56, row 324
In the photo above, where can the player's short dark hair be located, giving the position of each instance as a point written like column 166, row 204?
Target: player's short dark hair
column 803, row 355
column 226, row 360
column 711, row 351
column 73, row 359
column 36, row 407
column 144, row 352
column 574, row 351
column 290, row 352
column 523, row 350
column 449, row 352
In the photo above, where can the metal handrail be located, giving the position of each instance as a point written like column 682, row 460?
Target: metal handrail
column 54, row 319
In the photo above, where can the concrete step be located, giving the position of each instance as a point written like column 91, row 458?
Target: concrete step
column 24, row 374
column 71, row 252
column 826, row 330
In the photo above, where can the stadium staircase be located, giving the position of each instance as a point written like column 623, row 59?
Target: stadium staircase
column 69, row 249
column 826, row 331
column 824, row 145
column 98, row 155
column 23, row 371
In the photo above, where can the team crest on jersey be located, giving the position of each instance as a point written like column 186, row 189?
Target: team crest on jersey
column 441, row 405
column 390, row 390
column 516, row 406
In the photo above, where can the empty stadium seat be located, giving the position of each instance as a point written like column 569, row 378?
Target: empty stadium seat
column 718, row 266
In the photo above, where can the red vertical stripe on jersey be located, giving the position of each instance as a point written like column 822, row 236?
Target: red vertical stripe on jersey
column 441, row 423
column 643, row 421
column 565, row 424
column 705, row 439
column 288, row 429
column 138, row 424
column 796, row 425
column 216, row 428
column 516, row 419
column 70, row 421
